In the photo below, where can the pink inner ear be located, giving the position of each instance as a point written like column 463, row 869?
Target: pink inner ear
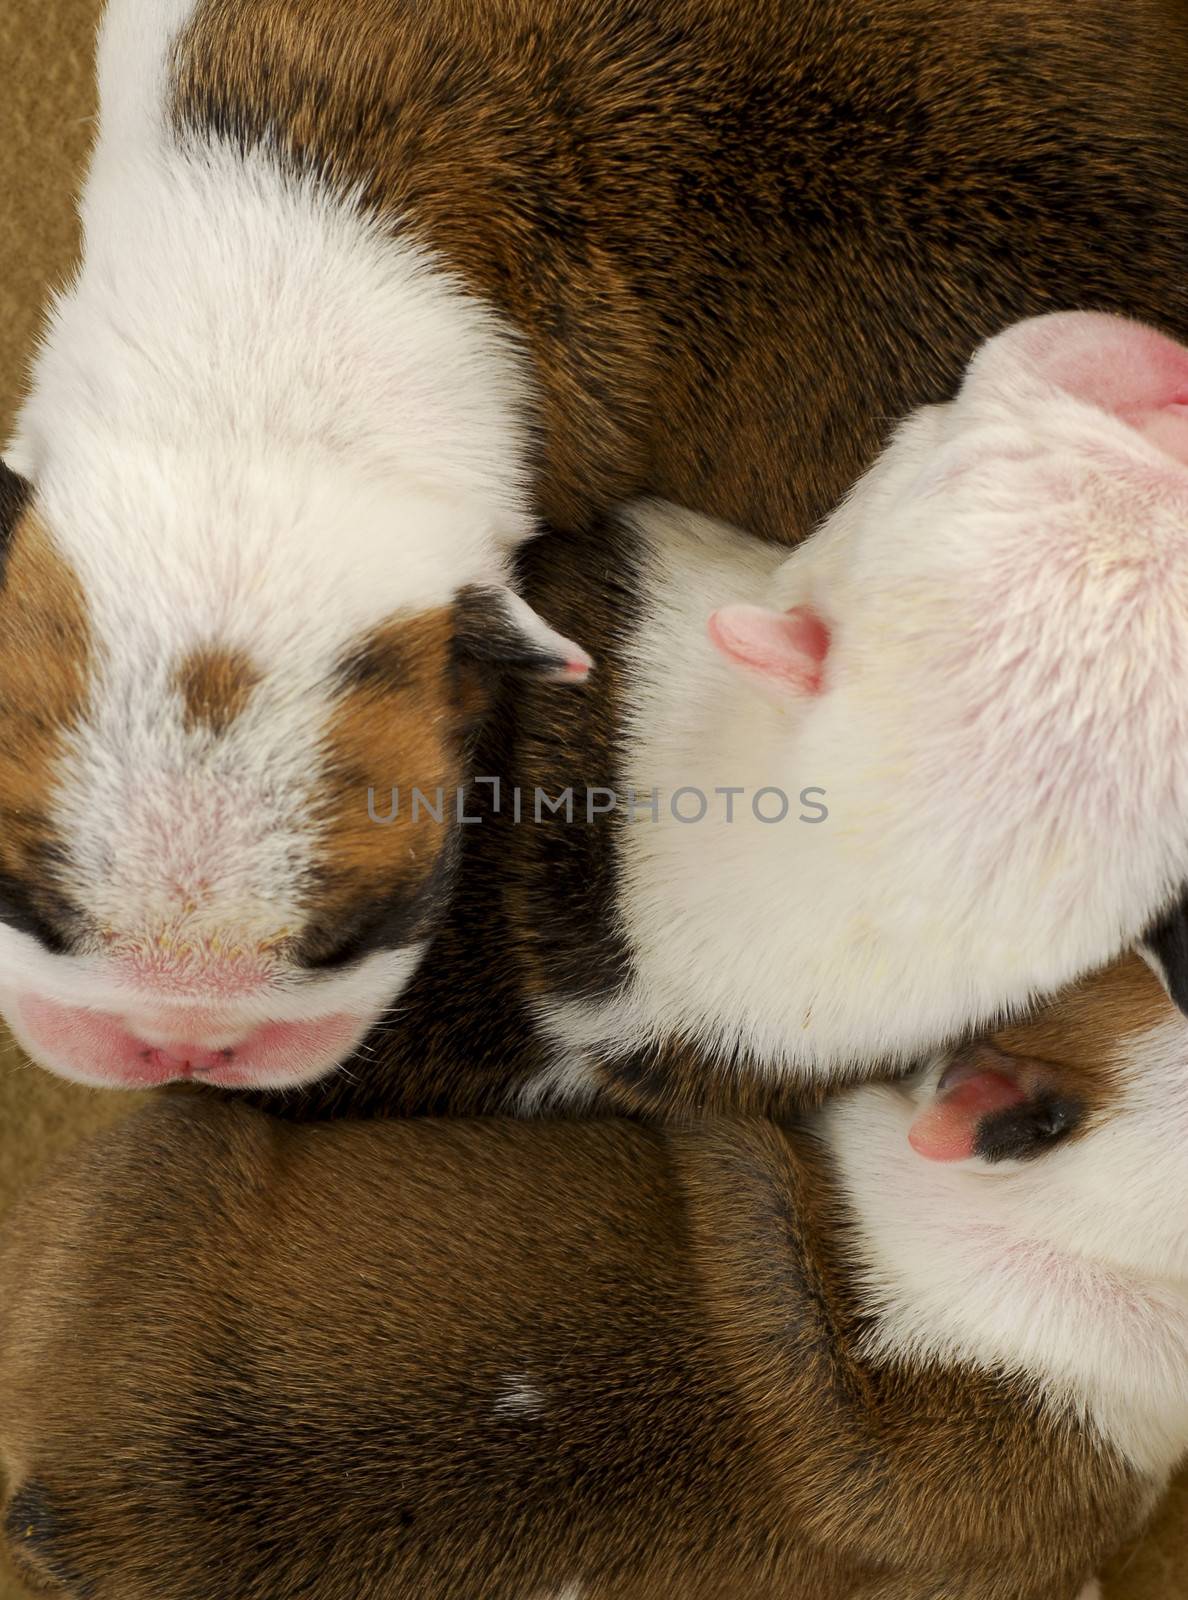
column 1122, row 367
column 576, row 668
column 786, row 648
column 947, row 1128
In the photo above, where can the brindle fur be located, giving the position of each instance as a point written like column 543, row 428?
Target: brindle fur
column 493, row 1359
column 740, row 240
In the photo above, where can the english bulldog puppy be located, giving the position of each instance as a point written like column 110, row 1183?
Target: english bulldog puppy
column 932, row 764
column 930, row 1342
column 369, row 288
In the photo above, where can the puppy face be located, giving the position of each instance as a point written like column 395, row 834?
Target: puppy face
column 1079, row 1115
column 228, row 804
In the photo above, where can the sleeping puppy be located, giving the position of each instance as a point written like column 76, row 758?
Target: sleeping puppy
column 369, row 288
column 930, row 1342
column 929, row 766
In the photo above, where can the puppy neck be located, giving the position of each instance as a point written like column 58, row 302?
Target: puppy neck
column 1068, row 1269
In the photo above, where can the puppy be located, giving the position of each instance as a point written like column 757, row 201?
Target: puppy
column 367, row 290
column 929, row 1342
column 932, row 764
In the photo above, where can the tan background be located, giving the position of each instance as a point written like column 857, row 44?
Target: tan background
column 45, row 53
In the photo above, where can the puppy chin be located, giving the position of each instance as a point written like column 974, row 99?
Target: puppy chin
column 97, row 1049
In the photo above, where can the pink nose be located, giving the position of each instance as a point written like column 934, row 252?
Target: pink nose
column 99, row 1047
column 184, row 1059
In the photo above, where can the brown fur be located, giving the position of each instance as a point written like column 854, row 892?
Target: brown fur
column 400, row 722
column 215, row 685
column 1075, row 1041
column 45, row 659
column 740, row 240
column 1086, row 1026
column 200, row 1401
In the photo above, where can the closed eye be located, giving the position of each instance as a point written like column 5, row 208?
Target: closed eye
column 385, row 922
column 29, row 913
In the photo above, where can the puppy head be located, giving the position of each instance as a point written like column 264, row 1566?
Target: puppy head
column 1080, row 1112
column 204, row 868
column 985, row 658
column 1048, row 1080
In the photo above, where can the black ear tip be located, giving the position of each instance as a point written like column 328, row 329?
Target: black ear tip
column 497, row 629
column 1166, row 942
column 1022, row 1132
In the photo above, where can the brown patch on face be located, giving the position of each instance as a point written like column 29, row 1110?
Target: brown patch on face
column 1089, row 1021
column 1080, row 1036
column 215, row 685
column 44, row 665
column 398, row 724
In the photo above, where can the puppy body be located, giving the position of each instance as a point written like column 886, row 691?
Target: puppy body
column 366, row 290
column 500, row 1359
column 935, row 761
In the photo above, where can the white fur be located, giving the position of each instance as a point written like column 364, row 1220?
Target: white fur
column 1002, row 741
column 1071, row 1269
column 519, row 1398
column 574, row 1030
column 259, row 420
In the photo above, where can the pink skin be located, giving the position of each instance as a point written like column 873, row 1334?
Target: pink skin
column 1121, row 367
column 787, row 648
column 1131, row 371
column 576, row 669
column 99, row 1048
column 947, row 1129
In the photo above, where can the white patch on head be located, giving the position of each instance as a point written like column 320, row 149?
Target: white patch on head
column 1001, row 737
column 1091, row 1591
column 260, row 422
column 517, row 1397
column 1071, row 1269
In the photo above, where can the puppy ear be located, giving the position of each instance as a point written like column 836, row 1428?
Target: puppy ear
column 1121, row 367
column 785, row 650
column 996, row 1106
column 493, row 627
column 1165, row 944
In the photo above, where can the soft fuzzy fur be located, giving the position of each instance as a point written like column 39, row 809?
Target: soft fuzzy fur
column 365, row 290
column 998, row 733
column 250, row 397
column 985, row 774
column 732, row 1361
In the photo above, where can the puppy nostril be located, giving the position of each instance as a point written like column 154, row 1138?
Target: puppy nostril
column 187, row 1059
